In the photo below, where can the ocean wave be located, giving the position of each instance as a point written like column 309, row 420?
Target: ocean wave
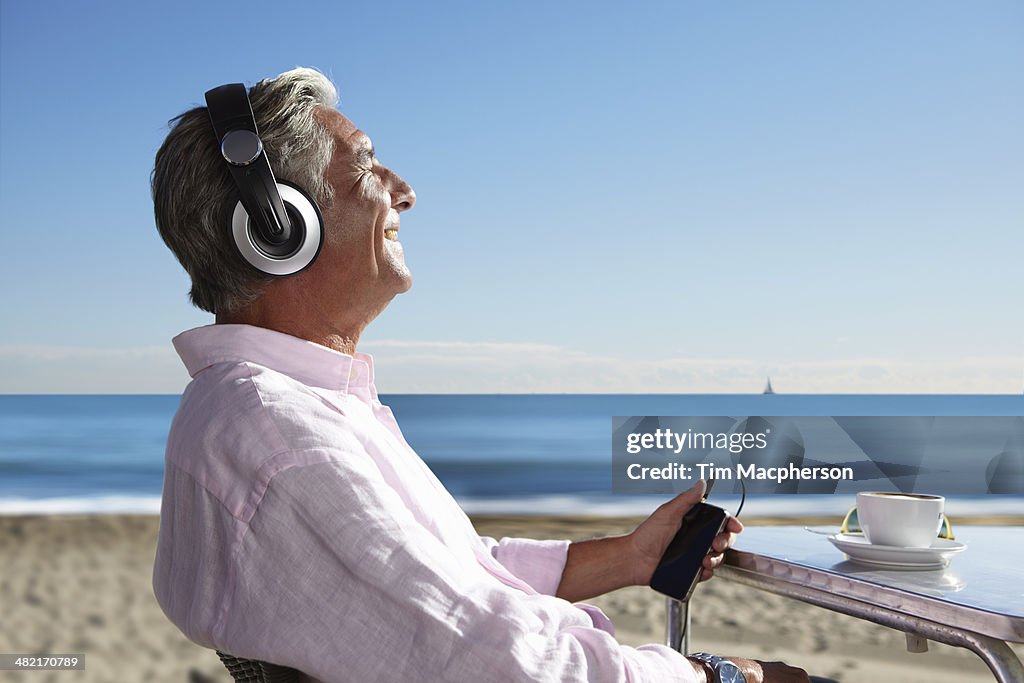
column 597, row 505
column 113, row 504
column 761, row 506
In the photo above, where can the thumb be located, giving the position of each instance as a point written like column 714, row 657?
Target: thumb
column 687, row 499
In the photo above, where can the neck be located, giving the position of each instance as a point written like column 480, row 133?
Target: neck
column 337, row 339
column 297, row 306
column 338, row 332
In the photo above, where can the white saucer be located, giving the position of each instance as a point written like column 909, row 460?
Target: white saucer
column 935, row 557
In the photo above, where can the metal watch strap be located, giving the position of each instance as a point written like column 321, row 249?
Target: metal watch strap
column 706, row 658
column 714, row 663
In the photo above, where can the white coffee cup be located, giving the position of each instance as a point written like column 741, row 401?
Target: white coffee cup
column 907, row 520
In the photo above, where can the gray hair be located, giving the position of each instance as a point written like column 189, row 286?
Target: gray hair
column 194, row 194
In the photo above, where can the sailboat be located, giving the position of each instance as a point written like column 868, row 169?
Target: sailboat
column 768, row 387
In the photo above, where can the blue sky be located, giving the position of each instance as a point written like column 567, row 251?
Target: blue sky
column 672, row 197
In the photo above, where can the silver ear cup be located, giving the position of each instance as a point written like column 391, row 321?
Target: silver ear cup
column 298, row 204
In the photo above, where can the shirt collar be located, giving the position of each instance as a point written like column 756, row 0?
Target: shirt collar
column 310, row 363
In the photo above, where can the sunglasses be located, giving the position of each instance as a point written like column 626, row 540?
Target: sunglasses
column 851, row 525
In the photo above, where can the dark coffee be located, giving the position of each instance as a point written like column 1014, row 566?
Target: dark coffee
column 915, row 496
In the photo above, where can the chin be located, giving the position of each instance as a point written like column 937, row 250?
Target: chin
column 405, row 284
column 399, row 275
column 396, row 281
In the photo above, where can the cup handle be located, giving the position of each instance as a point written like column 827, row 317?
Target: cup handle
column 946, row 530
column 851, row 525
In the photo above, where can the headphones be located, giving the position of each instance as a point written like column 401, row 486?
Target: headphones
column 276, row 226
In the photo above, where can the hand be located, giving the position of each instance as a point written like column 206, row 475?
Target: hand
column 759, row 672
column 649, row 540
column 770, row 672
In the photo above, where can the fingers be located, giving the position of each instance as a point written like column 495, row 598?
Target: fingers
column 716, row 555
column 734, row 525
column 723, row 542
column 712, row 561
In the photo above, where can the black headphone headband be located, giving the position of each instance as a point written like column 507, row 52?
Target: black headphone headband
column 240, row 145
column 276, row 227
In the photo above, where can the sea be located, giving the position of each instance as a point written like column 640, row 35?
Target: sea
column 498, row 454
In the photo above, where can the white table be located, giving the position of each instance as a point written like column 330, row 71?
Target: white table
column 977, row 602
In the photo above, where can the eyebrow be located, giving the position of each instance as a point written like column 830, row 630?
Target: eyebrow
column 366, row 152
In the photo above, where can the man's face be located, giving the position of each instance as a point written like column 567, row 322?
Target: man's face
column 361, row 251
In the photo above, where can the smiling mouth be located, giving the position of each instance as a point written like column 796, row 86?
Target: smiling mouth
column 391, row 234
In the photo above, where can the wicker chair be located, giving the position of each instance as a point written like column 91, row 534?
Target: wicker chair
column 255, row 671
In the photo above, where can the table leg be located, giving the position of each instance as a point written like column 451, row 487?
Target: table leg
column 1001, row 660
column 677, row 625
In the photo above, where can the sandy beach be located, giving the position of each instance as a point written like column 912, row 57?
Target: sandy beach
column 82, row 584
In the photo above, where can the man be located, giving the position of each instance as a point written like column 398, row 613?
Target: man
column 297, row 525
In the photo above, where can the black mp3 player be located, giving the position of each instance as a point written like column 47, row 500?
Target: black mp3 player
column 680, row 567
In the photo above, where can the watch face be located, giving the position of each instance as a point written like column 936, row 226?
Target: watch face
column 729, row 673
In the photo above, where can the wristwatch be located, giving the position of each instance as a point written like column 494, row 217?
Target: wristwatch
column 725, row 671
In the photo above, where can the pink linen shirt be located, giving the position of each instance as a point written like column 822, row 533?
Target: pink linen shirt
column 298, row 526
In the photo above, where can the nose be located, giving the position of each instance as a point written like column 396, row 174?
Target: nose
column 403, row 197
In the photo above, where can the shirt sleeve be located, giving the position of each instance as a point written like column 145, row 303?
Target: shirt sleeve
column 336, row 578
column 538, row 563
